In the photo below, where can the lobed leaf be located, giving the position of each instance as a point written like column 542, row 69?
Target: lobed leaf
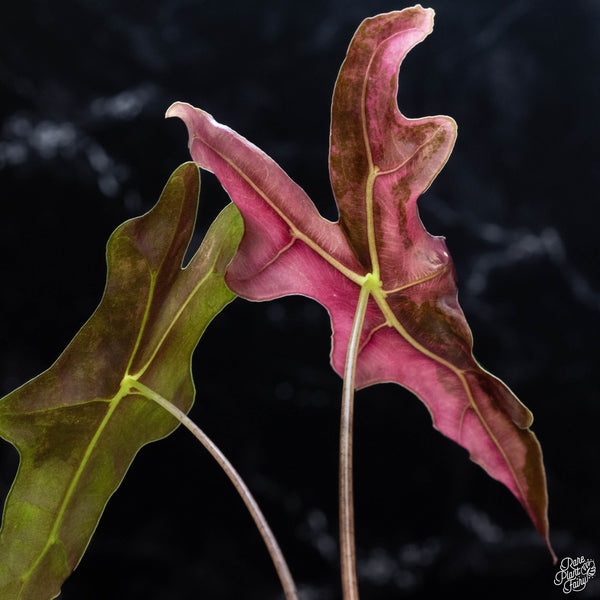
column 414, row 333
column 78, row 425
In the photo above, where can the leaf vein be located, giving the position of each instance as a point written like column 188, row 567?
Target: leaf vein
column 334, row 262
column 460, row 373
column 411, row 284
column 414, row 153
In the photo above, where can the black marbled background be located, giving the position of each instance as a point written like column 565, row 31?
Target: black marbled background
column 83, row 146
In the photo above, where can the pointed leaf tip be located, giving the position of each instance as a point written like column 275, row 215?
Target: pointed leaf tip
column 174, row 110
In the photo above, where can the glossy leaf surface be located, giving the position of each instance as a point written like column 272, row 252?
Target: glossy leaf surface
column 79, row 424
column 414, row 331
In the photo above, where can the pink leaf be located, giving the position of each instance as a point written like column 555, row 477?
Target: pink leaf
column 414, row 333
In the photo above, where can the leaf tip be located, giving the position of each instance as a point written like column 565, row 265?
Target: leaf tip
column 552, row 553
column 427, row 15
column 424, row 10
column 177, row 109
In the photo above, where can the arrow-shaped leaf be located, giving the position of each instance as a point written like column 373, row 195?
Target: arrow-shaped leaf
column 414, row 332
column 79, row 424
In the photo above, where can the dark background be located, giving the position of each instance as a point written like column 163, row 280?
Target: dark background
column 83, row 146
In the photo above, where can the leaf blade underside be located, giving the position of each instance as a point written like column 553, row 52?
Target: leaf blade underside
column 415, row 332
column 78, row 426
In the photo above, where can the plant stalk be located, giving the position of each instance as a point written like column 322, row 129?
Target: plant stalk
column 277, row 557
column 346, row 493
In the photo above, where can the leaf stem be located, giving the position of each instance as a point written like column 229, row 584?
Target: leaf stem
column 277, row 557
column 346, row 493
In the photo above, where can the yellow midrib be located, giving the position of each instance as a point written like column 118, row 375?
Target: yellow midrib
column 113, row 403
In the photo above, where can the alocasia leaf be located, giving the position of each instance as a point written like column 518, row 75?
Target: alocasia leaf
column 79, row 424
column 414, row 332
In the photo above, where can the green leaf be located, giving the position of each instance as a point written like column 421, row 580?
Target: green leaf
column 78, row 425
